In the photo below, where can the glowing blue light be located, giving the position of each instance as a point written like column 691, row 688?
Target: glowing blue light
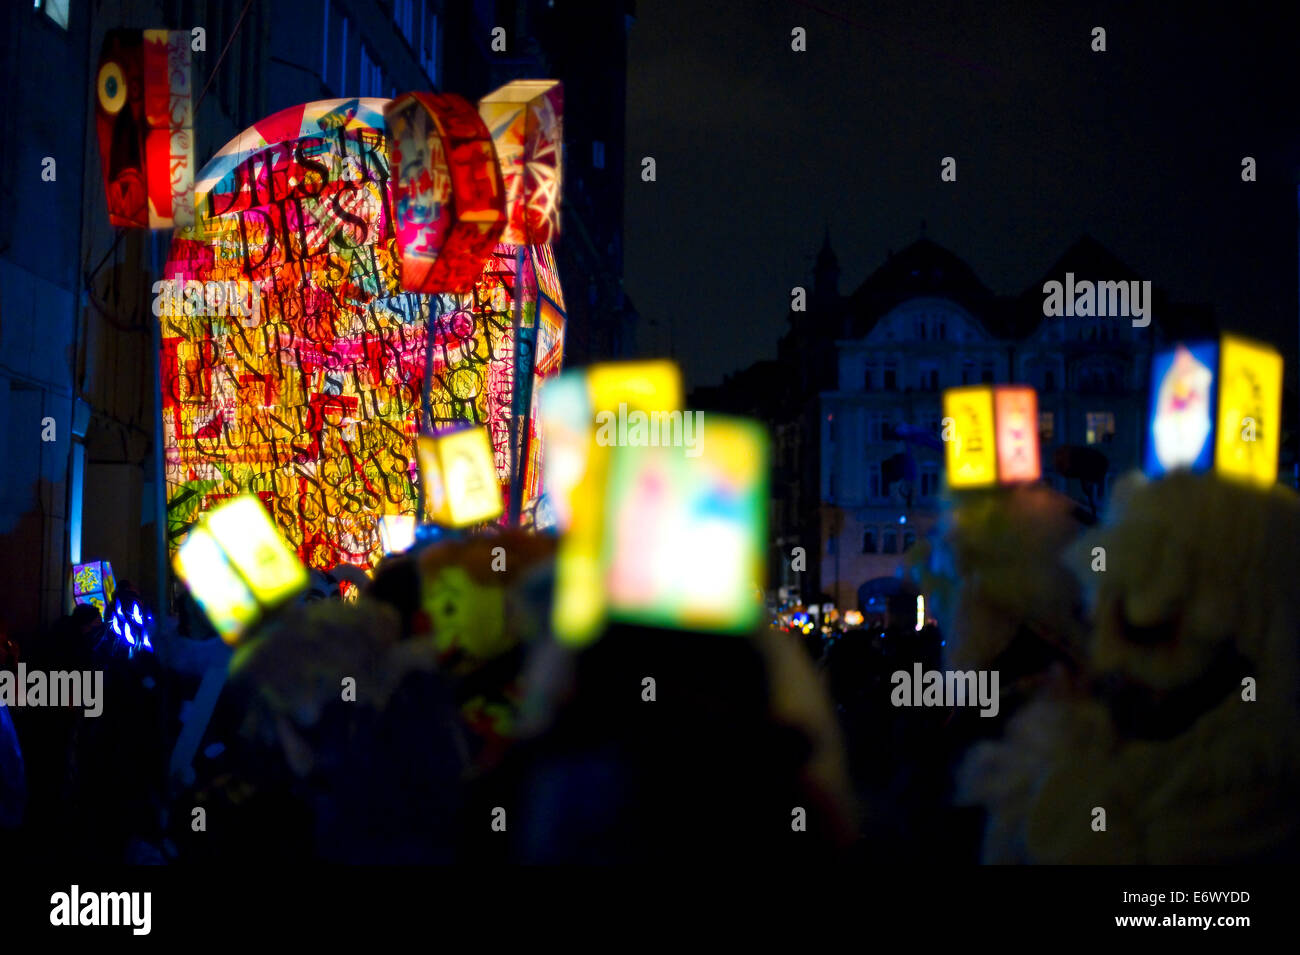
column 902, row 518
column 117, row 627
column 135, row 614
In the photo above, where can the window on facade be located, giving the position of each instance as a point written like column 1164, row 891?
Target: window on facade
column 967, row 372
column 929, row 483
column 869, row 542
column 1100, row 426
column 943, row 331
column 873, row 482
column 891, row 542
column 909, row 538
column 1049, row 380
column 891, row 376
column 986, row 373
column 866, row 379
column 920, row 329
column 1046, row 426
column 931, row 379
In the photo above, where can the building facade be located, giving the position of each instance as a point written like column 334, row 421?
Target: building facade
column 860, row 441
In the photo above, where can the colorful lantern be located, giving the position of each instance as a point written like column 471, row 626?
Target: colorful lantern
column 684, row 536
column 525, row 118
column 460, row 478
column 144, row 123
column 580, row 598
column 237, row 566
column 446, row 190
column 991, row 435
column 93, row 583
column 314, row 401
column 396, row 532
column 1216, row 402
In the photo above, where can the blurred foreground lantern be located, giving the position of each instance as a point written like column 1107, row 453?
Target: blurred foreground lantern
column 446, row 190
column 525, row 119
column 93, row 583
column 577, row 490
column 459, row 477
column 144, row 124
column 994, row 435
column 684, row 534
column 665, row 511
column 237, row 566
column 1216, row 403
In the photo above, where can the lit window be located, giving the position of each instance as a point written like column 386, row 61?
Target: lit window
column 1046, row 425
column 1101, row 426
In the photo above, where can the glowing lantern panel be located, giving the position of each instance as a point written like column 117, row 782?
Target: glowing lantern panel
column 447, row 191
column 1016, row 411
column 460, row 478
column 1182, row 408
column 971, row 448
column 684, row 535
column 525, row 118
column 93, row 584
column 1250, row 411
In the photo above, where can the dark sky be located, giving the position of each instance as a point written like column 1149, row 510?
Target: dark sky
column 757, row 147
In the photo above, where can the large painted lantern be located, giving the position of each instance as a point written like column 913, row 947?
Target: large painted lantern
column 311, row 394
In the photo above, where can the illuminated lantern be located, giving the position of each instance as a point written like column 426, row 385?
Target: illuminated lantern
column 120, row 127
column 580, row 598
column 525, row 118
column 93, row 583
column 685, row 533
column 447, row 191
column 237, row 566
column 396, row 532
column 169, row 141
column 994, row 437
column 144, row 124
column 460, row 478
column 132, row 624
column 1216, row 403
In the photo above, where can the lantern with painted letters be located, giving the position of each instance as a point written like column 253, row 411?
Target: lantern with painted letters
column 144, row 124
column 447, row 192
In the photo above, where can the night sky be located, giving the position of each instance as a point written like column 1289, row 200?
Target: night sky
column 758, row 148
